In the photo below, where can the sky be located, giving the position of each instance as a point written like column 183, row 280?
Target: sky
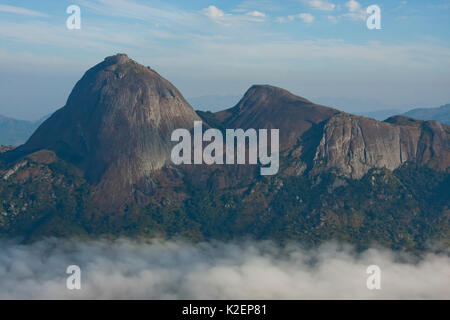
column 319, row 49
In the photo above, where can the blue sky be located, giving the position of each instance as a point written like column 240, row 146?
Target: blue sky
column 319, row 49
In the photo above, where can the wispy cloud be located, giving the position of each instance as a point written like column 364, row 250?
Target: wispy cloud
column 213, row 12
column 21, row 11
column 353, row 6
column 305, row 17
column 229, row 19
column 330, row 50
column 321, row 5
column 355, row 10
column 255, row 13
column 260, row 5
column 332, row 19
column 445, row 4
column 171, row 16
column 130, row 9
column 100, row 37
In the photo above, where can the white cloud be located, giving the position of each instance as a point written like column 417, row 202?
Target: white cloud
column 256, row 14
column 228, row 19
column 321, row 5
column 165, row 15
column 356, row 12
column 21, row 11
column 261, row 5
column 353, row 6
column 213, row 12
column 306, row 17
column 43, row 33
column 356, row 15
column 126, row 269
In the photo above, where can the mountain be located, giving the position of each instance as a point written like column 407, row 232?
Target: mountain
column 116, row 125
column 100, row 167
column 351, row 144
column 16, row 132
column 265, row 106
column 440, row 114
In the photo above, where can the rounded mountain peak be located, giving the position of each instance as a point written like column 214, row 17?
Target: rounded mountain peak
column 117, row 122
column 265, row 92
column 266, row 106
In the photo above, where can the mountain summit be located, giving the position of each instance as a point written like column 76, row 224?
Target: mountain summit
column 321, row 138
column 116, row 123
column 265, row 106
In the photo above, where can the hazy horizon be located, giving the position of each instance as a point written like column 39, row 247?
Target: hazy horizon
column 321, row 50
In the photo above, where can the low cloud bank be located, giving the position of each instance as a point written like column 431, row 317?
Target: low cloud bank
column 126, row 269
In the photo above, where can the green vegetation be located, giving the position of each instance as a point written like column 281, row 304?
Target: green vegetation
column 406, row 209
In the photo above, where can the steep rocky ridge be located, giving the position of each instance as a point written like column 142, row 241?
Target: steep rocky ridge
column 320, row 138
column 354, row 145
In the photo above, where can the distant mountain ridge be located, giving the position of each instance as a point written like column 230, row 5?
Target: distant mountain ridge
column 16, row 132
column 440, row 114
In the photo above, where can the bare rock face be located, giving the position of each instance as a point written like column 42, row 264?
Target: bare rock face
column 434, row 145
column 116, row 124
column 319, row 138
column 354, row 145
